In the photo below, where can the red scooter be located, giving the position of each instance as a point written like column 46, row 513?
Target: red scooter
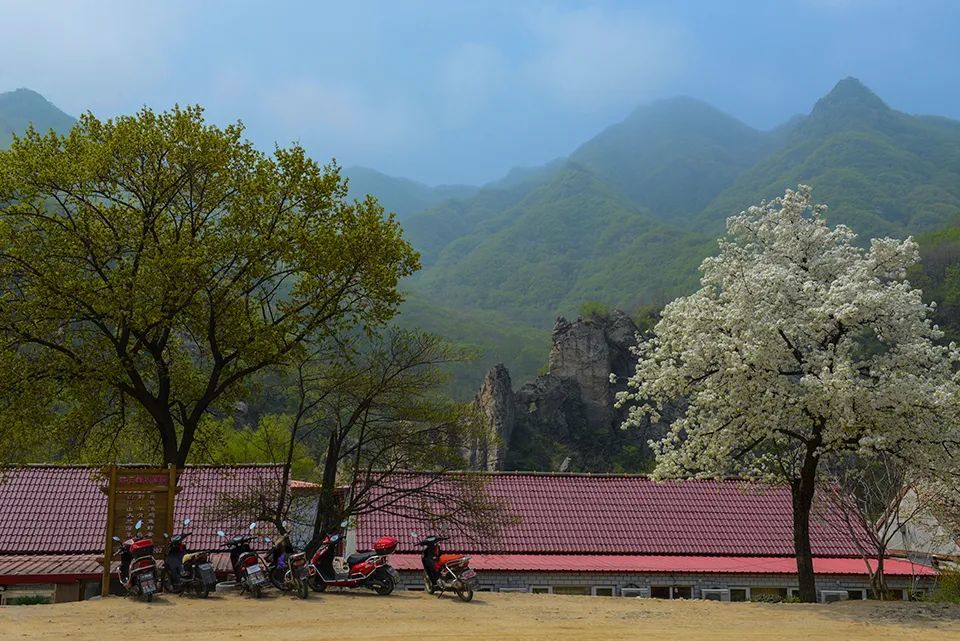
column 364, row 569
column 138, row 569
column 444, row 572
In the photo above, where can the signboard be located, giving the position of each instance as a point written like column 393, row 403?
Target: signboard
column 137, row 494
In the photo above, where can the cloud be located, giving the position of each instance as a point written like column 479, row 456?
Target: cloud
column 88, row 55
column 592, row 57
column 338, row 117
column 468, row 79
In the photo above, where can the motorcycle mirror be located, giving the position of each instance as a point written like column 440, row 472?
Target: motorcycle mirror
column 166, row 536
column 253, row 526
column 344, row 523
column 334, row 538
column 116, row 539
column 221, row 533
column 187, row 521
column 138, row 525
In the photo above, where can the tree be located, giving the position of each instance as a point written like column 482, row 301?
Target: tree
column 152, row 265
column 799, row 345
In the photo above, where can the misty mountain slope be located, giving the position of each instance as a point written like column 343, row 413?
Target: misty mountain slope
column 881, row 171
column 21, row 107
column 674, row 156
column 401, row 195
column 526, row 260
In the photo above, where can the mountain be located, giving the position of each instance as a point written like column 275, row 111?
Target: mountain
column 21, row 107
column 401, row 195
column 881, row 171
column 626, row 219
column 674, row 156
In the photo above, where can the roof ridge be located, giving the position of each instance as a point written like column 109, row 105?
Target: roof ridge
column 91, row 466
column 615, row 475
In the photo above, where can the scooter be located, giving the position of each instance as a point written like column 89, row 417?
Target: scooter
column 287, row 568
column 444, row 572
column 248, row 567
column 182, row 570
column 363, row 569
column 138, row 569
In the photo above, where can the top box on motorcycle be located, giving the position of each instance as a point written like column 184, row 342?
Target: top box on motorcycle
column 385, row 545
column 141, row 548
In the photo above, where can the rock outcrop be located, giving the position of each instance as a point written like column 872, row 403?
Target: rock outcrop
column 568, row 412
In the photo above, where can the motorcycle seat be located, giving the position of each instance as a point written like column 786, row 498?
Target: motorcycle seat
column 189, row 557
column 359, row 557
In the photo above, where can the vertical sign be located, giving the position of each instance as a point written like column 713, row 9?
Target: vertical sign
column 137, row 494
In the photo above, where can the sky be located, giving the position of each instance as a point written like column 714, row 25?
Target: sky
column 461, row 91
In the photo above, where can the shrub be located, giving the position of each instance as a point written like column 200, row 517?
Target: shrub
column 948, row 587
column 31, row 599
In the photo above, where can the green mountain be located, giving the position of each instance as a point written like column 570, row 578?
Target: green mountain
column 401, row 195
column 674, row 156
column 881, row 171
column 21, row 107
column 628, row 217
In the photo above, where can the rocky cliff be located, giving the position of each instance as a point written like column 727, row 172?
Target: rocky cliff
column 567, row 412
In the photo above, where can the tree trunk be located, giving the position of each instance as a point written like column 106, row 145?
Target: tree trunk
column 803, row 490
column 328, row 508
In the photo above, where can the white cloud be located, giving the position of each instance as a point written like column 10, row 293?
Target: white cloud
column 469, row 78
column 592, row 57
column 338, row 117
column 87, row 55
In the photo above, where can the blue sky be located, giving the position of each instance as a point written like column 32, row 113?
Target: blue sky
column 462, row 91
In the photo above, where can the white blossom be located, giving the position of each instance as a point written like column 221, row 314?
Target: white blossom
column 799, row 339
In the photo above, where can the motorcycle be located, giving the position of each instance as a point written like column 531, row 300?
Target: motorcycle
column 286, row 567
column 444, row 572
column 363, row 569
column 138, row 569
column 247, row 565
column 182, row 570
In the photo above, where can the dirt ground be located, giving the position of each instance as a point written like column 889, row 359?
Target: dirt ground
column 531, row 617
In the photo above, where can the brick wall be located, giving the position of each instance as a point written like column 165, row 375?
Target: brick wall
column 523, row 581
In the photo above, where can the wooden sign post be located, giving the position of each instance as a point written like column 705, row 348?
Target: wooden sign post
column 137, row 494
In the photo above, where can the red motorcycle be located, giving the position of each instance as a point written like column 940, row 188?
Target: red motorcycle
column 138, row 569
column 248, row 568
column 363, row 569
column 444, row 572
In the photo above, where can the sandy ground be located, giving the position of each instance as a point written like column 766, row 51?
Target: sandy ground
column 531, row 617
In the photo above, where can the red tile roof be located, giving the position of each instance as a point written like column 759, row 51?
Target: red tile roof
column 54, row 509
column 668, row 564
column 616, row 514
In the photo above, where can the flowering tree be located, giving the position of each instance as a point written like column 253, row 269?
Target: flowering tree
column 800, row 345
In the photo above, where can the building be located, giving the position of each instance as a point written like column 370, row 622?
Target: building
column 618, row 535
column 53, row 522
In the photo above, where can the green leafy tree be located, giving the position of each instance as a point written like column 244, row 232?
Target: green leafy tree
column 151, row 266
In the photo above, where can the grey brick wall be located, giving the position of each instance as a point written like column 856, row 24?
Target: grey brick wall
column 525, row 580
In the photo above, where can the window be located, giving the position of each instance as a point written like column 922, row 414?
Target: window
column 739, row 594
column 767, row 594
column 715, row 594
column 671, row 592
column 602, row 590
column 635, row 592
column 415, row 588
column 571, row 589
column 514, row 589
column 856, row 595
column 831, row 596
column 485, row 588
column 541, row 589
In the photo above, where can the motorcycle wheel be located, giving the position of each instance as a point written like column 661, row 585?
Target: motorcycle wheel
column 302, row 590
column 383, row 585
column 256, row 591
column 201, row 589
column 276, row 576
column 317, row 584
column 465, row 594
column 149, row 598
column 429, row 586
